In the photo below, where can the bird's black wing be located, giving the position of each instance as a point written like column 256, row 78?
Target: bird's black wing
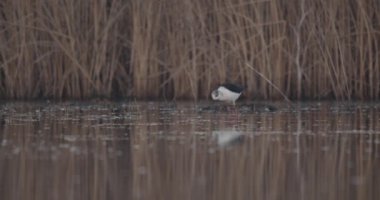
column 234, row 87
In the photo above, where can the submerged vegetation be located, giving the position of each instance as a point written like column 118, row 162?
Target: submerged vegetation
column 182, row 49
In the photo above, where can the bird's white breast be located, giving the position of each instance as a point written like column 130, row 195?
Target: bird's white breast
column 227, row 95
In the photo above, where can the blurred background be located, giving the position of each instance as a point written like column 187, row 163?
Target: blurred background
column 171, row 49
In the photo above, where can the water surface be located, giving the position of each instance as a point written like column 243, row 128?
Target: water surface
column 158, row 150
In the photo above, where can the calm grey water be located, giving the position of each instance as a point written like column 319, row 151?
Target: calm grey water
column 152, row 150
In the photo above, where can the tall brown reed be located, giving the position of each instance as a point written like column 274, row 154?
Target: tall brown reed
column 182, row 49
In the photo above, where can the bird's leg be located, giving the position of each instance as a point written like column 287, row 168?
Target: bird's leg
column 236, row 111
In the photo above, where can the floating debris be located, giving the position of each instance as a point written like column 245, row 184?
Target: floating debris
column 244, row 108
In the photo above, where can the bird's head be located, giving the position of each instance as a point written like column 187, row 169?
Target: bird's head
column 215, row 94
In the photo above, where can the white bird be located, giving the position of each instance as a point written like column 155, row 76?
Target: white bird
column 227, row 92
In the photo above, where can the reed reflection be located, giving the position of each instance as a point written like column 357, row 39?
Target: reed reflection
column 172, row 151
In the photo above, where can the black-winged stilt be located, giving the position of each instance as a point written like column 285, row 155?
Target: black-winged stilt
column 227, row 92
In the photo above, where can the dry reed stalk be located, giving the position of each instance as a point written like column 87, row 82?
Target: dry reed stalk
column 169, row 49
column 69, row 49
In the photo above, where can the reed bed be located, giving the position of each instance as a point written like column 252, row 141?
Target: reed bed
column 183, row 49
